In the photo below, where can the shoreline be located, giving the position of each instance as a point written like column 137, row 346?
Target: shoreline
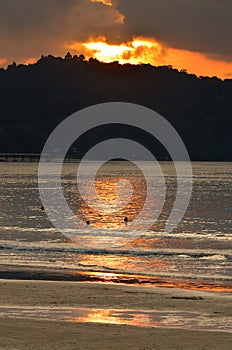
column 68, row 275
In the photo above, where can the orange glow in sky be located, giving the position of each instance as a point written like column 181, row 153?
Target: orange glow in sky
column 148, row 50
column 30, row 60
column 3, row 61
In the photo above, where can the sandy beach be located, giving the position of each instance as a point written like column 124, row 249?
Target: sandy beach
column 30, row 333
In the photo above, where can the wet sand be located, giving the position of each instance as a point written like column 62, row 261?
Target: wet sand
column 16, row 333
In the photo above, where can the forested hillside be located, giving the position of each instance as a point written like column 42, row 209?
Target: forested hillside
column 35, row 98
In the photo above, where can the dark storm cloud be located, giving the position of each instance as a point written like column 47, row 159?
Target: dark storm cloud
column 29, row 28
column 197, row 25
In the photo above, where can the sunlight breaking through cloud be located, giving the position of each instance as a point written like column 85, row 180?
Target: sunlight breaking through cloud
column 148, row 50
column 139, row 50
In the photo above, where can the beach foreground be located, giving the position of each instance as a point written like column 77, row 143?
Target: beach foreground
column 30, row 333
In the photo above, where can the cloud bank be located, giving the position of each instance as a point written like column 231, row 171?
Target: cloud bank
column 29, row 28
column 195, row 25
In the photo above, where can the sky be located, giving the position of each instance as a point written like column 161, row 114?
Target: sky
column 195, row 35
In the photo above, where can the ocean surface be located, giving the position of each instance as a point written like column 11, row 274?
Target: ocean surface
column 197, row 252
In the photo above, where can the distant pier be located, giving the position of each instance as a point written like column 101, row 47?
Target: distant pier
column 19, row 157
column 31, row 157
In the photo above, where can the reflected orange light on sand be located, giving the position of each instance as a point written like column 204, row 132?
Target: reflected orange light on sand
column 104, row 2
column 114, row 317
column 157, row 281
column 148, row 50
column 99, row 316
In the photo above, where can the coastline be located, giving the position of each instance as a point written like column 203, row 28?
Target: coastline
column 17, row 333
column 26, row 273
column 39, row 285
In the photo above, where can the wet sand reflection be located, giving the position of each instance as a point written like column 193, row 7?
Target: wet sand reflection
column 138, row 318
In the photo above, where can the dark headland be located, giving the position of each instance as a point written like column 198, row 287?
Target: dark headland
column 34, row 99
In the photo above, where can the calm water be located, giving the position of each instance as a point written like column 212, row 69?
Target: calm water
column 199, row 248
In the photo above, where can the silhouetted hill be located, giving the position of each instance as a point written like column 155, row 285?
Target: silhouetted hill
column 35, row 98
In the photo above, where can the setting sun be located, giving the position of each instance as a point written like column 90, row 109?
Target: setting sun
column 108, row 53
column 139, row 50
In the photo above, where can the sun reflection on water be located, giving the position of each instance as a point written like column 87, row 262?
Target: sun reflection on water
column 106, row 190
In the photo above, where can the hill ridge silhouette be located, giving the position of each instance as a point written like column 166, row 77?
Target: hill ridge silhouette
column 35, row 98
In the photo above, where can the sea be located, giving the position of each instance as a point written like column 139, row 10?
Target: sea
column 197, row 254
